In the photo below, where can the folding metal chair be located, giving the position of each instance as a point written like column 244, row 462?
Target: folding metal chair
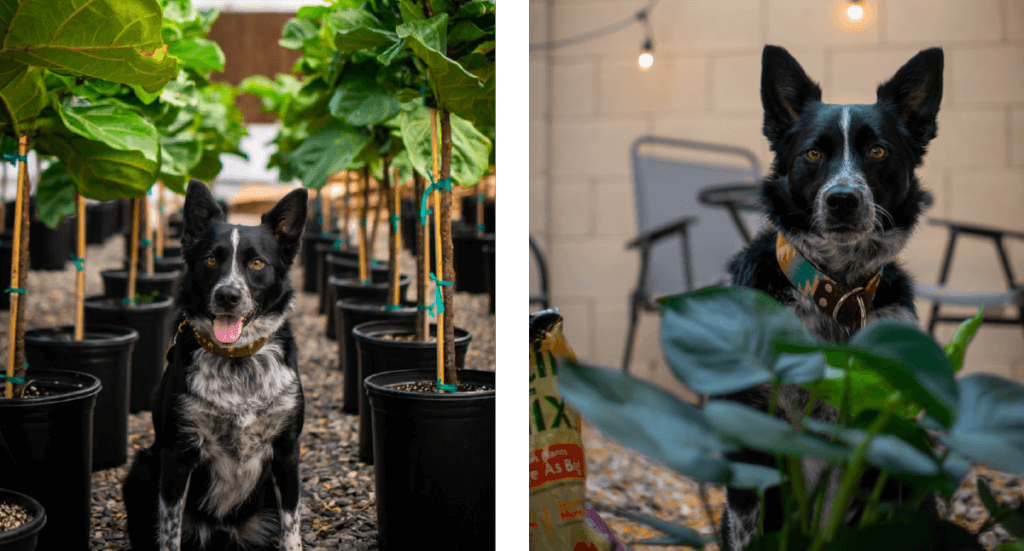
column 996, row 303
column 668, row 184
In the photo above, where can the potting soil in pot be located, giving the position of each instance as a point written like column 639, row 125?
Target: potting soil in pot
column 12, row 516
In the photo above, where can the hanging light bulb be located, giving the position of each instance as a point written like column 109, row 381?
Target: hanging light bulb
column 646, row 55
column 855, row 12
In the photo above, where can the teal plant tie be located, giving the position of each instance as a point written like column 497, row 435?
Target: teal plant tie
column 13, row 158
column 15, row 290
column 128, row 301
column 337, row 244
column 446, row 388
column 362, row 223
column 479, row 197
column 145, row 242
column 443, row 185
column 15, row 380
column 365, row 281
column 392, row 307
column 158, row 258
column 79, row 263
column 425, row 308
column 394, row 222
column 481, row 227
column 438, row 295
column 376, row 262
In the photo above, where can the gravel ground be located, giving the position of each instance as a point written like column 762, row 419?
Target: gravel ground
column 338, row 505
column 620, row 479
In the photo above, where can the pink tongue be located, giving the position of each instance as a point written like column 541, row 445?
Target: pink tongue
column 227, row 329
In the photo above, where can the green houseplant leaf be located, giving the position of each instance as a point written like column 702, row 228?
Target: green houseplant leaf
column 113, row 124
column 99, row 171
column 355, row 29
column 956, row 349
column 361, row 101
column 1012, row 520
column 720, row 340
column 471, row 149
column 455, row 88
column 198, row 53
column 656, row 424
column 107, row 39
column 885, row 451
column 55, row 195
column 22, row 94
column 755, row 429
column 178, row 155
column 990, row 425
column 327, row 152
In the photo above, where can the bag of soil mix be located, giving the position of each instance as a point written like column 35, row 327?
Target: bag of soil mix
column 559, row 518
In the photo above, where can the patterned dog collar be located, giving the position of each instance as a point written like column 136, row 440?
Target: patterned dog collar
column 225, row 352
column 849, row 307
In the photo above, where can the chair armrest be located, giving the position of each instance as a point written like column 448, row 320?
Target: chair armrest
column 975, row 229
column 650, row 236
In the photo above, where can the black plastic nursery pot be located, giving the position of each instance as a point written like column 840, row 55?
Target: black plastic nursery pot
column 438, row 450
column 171, row 249
column 379, row 354
column 324, row 253
column 469, row 212
column 164, row 284
column 468, row 256
column 100, row 221
column 105, row 353
column 352, row 287
column 162, row 265
column 22, row 538
column 349, row 313
column 50, row 249
column 47, row 454
column 153, row 321
column 308, row 256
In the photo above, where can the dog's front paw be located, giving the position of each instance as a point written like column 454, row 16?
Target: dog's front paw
column 290, row 540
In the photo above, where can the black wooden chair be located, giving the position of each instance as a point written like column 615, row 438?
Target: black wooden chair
column 996, row 303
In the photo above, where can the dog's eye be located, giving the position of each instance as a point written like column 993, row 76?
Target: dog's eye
column 877, row 152
column 210, row 261
column 256, row 264
column 814, row 155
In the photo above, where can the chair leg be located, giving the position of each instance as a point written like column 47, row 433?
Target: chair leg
column 636, row 301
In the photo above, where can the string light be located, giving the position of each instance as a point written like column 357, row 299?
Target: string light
column 646, row 59
column 855, row 12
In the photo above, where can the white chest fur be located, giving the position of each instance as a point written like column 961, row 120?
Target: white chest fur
column 237, row 411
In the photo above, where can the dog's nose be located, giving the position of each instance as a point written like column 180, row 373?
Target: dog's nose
column 227, row 297
column 842, row 201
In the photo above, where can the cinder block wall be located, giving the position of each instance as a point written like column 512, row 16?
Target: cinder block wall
column 588, row 102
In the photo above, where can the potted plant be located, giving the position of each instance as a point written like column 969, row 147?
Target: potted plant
column 892, row 385
column 22, row 519
column 46, row 416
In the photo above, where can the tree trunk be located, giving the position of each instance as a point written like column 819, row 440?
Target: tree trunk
column 133, row 250
column 19, row 273
column 448, row 268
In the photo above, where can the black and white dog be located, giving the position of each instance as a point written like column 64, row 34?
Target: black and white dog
column 842, row 200
column 223, row 472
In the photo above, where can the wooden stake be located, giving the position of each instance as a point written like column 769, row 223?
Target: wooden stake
column 160, row 237
column 394, row 258
column 446, row 325
column 437, row 242
column 376, row 217
column 133, row 261
column 423, row 246
column 80, row 274
column 348, row 213
column 19, row 271
column 364, row 255
column 325, row 210
column 480, row 199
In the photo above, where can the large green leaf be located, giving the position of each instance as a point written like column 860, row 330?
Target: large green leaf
column 209, row 166
column 356, row 29
column 470, row 148
column 327, row 152
column 108, row 39
column 113, row 124
column 295, row 33
column 360, row 101
column 99, row 171
column 455, row 88
column 22, row 95
column 55, row 195
column 755, row 429
column 989, row 427
column 178, row 155
column 721, row 339
column 198, row 53
column 884, row 451
column 657, row 424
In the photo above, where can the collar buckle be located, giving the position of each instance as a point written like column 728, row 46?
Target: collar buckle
column 860, row 303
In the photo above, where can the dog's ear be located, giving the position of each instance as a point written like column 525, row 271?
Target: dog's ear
column 201, row 209
column 916, row 92
column 287, row 220
column 785, row 90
